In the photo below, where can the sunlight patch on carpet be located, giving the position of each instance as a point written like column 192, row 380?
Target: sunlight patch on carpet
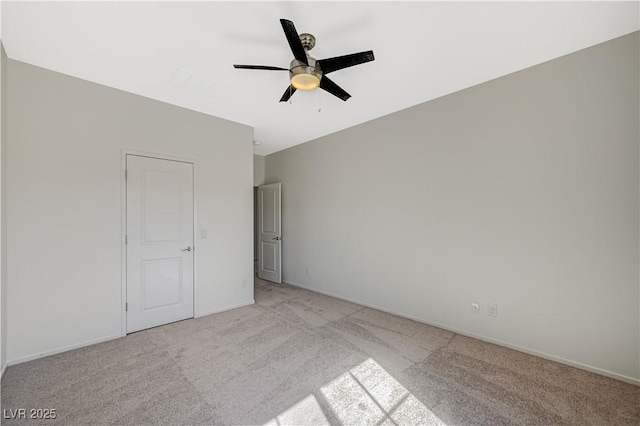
column 366, row 394
column 305, row 412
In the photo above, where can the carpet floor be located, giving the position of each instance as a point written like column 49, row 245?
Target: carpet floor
column 298, row 357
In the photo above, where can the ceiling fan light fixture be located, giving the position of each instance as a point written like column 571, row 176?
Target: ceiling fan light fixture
column 303, row 76
column 305, row 81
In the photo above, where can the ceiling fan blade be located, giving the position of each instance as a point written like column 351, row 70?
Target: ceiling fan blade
column 288, row 93
column 346, row 61
column 334, row 89
column 294, row 41
column 259, row 67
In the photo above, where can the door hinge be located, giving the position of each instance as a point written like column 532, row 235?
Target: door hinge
column 126, row 239
column 126, row 307
column 126, row 174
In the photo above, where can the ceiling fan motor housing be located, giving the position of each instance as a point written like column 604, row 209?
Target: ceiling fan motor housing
column 305, row 76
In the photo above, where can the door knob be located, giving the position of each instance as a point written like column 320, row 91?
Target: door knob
column 277, row 238
column 187, row 248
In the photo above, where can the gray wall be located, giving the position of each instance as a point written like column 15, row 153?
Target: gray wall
column 522, row 192
column 3, row 214
column 258, row 170
column 258, row 179
column 64, row 174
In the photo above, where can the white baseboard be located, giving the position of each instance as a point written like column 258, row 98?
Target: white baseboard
column 102, row 339
column 544, row 355
column 226, row 308
column 4, row 368
column 62, row 349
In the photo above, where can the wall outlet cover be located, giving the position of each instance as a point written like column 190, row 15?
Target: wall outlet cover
column 492, row 310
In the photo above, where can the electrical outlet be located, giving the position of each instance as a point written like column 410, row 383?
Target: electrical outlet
column 475, row 308
column 308, row 271
column 492, row 310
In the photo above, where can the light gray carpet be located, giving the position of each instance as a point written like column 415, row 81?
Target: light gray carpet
column 299, row 357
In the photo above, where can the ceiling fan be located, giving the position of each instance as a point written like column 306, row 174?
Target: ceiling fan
column 308, row 73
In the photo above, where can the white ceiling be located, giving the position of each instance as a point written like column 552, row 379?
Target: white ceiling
column 423, row 50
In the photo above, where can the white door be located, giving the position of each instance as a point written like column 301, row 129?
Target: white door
column 269, row 237
column 159, row 242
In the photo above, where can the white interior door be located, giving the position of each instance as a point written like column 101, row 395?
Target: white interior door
column 269, row 236
column 159, row 242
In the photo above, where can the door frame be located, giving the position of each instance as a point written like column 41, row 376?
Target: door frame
column 123, row 227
